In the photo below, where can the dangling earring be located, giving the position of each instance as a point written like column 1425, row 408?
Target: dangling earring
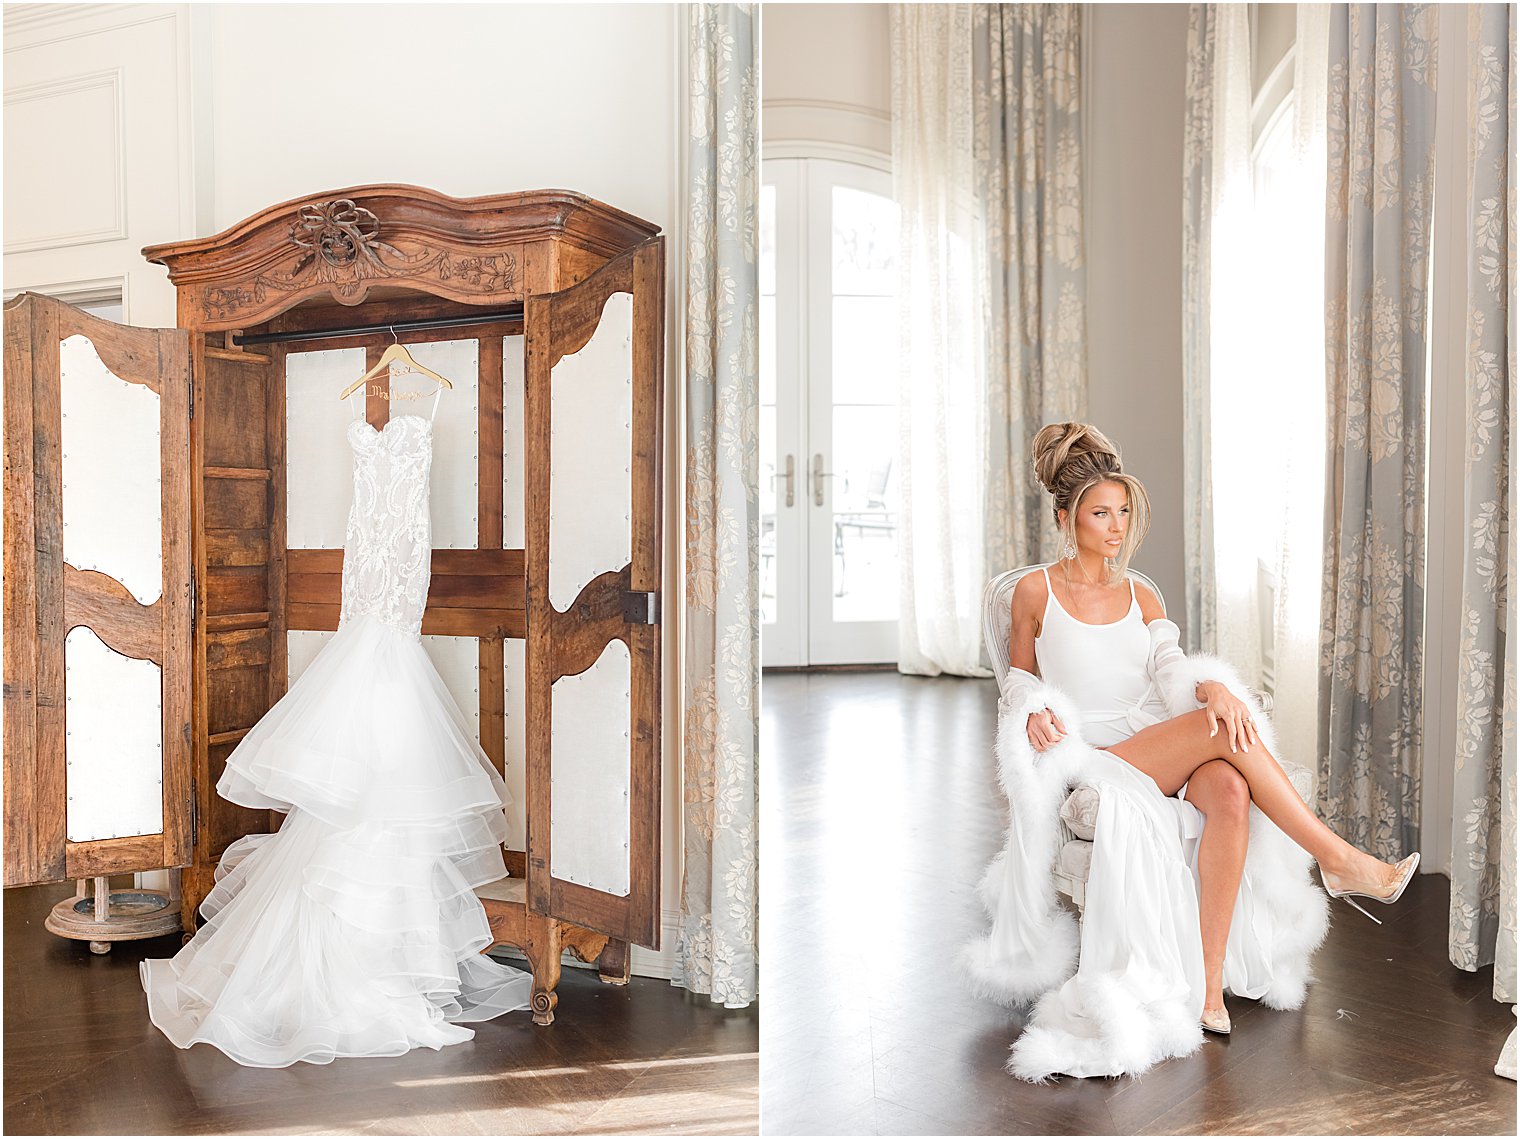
column 1071, row 549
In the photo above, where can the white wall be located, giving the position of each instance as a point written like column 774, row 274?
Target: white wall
column 1135, row 66
column 461, row 98
column 99, row 157
column 233, row 108
column 827, row 80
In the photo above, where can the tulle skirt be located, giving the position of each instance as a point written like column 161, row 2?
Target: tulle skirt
column 354, row 930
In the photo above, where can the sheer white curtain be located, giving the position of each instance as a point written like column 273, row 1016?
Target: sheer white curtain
column 1301, row 384
column 942, row 397
column 1235, row 334
column 1256, row 206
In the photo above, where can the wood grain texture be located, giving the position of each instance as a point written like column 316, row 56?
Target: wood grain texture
column 557, row 326
column 50, row 782
column 490, row 459
column 108, row 855
column 641, row 1059
column 469, row 250
column 239, row 648
column 238, row 438
column 239, row 548
column 590, row 623
column 645, row 576
column 277, row 558
column 24, row 844
column 174, row 355
column 108, row 608
column 883, row 812
column 377, row 404
column 539, row 651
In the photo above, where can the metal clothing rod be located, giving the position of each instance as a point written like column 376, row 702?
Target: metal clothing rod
column 510, row 313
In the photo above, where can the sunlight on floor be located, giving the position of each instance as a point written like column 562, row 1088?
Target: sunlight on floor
column 618, row 1066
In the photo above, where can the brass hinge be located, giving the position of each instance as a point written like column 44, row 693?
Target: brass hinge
column 195, row 814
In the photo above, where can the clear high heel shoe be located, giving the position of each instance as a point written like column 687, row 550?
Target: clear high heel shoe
column 1406, row 870
column 1219, row 1023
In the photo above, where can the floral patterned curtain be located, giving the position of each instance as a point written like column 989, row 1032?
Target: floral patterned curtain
column 1027, row 141
column 1482, row 927
column 1381, row 126
column 1197, row 213
column 716, row 951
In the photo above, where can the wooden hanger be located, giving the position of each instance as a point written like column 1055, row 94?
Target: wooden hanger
column 396, row 353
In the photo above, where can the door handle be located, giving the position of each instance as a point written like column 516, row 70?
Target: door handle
column 790, row 475
column 819, row 474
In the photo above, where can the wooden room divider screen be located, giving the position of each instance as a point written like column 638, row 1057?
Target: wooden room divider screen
column 539, row 273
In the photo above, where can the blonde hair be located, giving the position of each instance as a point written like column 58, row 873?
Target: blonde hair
column 1072, row 458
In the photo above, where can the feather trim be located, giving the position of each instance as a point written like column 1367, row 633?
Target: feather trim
column 1032, row 951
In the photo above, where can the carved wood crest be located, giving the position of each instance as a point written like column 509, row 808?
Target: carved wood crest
column 342, row 244
column 337, row 245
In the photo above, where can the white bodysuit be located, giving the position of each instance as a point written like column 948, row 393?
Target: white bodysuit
column 1105, row 669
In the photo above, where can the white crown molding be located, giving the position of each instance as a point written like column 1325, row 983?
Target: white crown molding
column 36, row 25
column 801, row 128
column 829, row 105
column 83, row 291
column 22, row 17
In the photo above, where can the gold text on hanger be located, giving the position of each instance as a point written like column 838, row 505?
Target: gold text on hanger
column 396, row 353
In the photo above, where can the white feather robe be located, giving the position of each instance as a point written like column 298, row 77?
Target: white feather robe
column 1136, row 995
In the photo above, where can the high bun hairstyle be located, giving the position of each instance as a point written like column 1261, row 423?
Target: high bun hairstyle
column 1072, row 458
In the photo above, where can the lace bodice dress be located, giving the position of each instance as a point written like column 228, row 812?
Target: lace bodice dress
column 355, row 930
column 387, row 550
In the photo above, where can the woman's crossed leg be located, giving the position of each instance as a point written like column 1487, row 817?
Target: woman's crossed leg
column 1169, row 752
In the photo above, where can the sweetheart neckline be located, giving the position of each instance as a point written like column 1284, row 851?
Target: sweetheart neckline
column 379, row 431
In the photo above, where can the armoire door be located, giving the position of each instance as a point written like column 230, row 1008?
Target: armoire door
column 97, row 595
column 592, row 423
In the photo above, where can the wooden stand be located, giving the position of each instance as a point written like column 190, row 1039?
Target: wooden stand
column 100, row 915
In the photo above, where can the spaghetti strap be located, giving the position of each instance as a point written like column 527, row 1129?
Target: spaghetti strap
column 437, row 396
column 1133, row 599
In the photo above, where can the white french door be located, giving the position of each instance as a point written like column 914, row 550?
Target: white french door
column 828, row 414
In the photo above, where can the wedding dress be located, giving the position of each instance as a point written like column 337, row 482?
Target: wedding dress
column 1124, row 991
column 354, row 930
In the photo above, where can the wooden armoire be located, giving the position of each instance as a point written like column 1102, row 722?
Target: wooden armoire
column 531, row 275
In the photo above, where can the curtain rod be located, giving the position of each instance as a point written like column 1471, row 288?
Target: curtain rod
column 510, row 313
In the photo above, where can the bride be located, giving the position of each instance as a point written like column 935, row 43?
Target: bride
column 1168, row 925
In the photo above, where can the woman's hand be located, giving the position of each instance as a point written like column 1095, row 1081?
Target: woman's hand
column 1223, row 707
column 1045, row 729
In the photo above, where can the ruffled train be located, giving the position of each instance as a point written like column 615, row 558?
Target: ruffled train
column 354, row 930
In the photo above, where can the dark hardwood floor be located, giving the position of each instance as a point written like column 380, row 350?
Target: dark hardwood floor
column 880, row 812
column 82, row 1058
